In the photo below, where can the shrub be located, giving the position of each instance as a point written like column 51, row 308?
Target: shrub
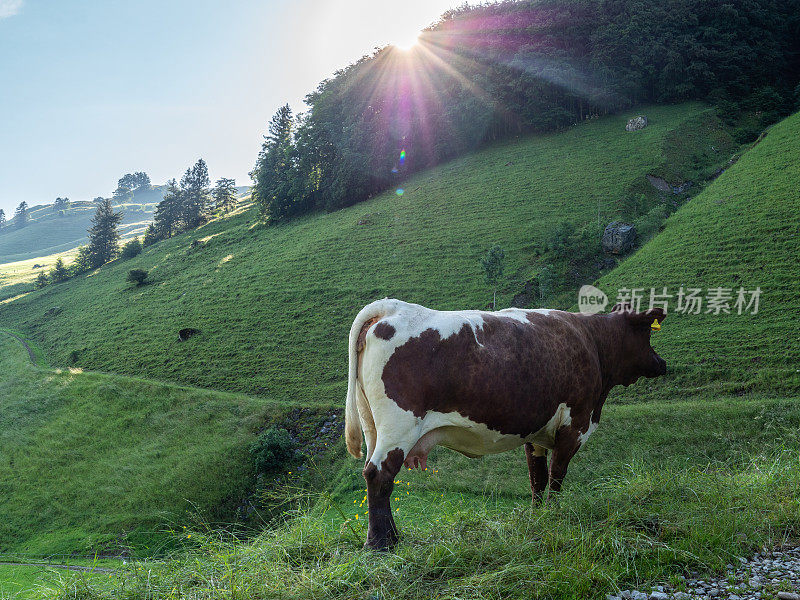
column 137, row 276
column 42, row 279
column 272, row 449
column 132, row 248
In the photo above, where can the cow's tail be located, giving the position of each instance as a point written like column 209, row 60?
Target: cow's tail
column 352, row 420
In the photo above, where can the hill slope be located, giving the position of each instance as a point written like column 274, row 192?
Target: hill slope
column 93, row 461
column 743, row 231
column 49, row 232
column 274, row 304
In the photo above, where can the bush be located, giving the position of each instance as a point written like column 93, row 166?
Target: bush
column 272, row 449
column 137, row 276
column 132, row 248
column 42, row 279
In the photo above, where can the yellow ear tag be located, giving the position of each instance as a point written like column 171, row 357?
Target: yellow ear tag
column 655, row 326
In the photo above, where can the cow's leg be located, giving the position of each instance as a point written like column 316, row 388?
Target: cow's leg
column 537, row 469
column 566, row 445
column 382, row 533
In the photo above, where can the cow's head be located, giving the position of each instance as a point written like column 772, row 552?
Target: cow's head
column 638, row 359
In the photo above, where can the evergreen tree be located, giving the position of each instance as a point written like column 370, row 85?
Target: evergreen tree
column 41, row 279
column 150, row 235
column 195, row 194
column 59, row 272
column 141, row 181
column 21, row 215
column 169, row 213
column 273, row 174
column 61, row 204
column 224, row 194
column 103, row 236
column 81, row 263
column 2, row 218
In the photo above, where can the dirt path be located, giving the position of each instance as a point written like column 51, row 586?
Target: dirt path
column 52, row 566
column 24, row 343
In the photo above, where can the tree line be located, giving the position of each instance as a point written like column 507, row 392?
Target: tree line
column 486, row 73
column 185, row 205
column 189, row 203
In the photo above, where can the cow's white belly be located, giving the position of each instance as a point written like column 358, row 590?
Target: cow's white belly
column 473, row 439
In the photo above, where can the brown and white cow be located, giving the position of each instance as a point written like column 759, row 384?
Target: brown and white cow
column 481, row 383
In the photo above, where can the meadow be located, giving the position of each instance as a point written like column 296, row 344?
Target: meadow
column 274, row 304
column 685, row 472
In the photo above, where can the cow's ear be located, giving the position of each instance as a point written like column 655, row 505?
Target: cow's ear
column 647, row 317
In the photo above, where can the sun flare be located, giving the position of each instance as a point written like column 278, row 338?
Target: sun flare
column 407, row 42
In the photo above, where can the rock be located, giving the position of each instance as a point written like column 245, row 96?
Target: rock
column 637, row 595
column 658, row 596
column 636, row 123
column 788, row 596
column 618, row 237
column 185, row 334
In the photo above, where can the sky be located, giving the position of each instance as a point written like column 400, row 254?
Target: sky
column 91, row 90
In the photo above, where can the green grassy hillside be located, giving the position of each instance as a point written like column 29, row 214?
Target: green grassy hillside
column 49, row 232
column 663, row 487
column 743, row 231
column 92, row 461
column 274, row 304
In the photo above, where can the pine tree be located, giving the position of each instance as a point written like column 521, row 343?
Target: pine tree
column 169, row 213
column 81, row 262
column 41, row 279
column 103, row 236
column 21, row 215
column 150, row 235
column 2, row 218
column 225, row 194
column 141, row 181
column 195, row 194
column 274, row 174
column 59, row 272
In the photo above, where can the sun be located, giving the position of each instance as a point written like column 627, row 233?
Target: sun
column 407, row 42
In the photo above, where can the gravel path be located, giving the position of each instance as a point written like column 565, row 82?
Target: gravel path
column 765, row 576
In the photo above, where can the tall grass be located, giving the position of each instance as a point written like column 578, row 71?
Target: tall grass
column 634, row 527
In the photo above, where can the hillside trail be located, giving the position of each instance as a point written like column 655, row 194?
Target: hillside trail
column 24, row 343
column 54, row 566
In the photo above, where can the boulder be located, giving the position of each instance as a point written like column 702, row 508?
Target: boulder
column 636, row 123
column 185, row 334
column 618, row 237
column 53, row 311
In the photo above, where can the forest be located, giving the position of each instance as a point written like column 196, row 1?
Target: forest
column 482, row 74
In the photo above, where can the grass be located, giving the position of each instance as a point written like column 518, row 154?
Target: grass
column 641, row 505
column 743, row 230
column 102, row 462
column 704, row 470
column 274, row 304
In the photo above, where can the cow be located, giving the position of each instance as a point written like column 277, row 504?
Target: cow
column 480, row 383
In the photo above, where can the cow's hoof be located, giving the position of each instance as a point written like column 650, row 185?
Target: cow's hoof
column 381, row 543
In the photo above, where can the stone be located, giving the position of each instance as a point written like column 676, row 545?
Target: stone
column 618, row 237
column 636, row 123
column 185, row 334
column 53, row 311
column 658, row 596
column 788, row 596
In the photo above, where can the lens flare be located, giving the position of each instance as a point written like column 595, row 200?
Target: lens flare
column 400, row 191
